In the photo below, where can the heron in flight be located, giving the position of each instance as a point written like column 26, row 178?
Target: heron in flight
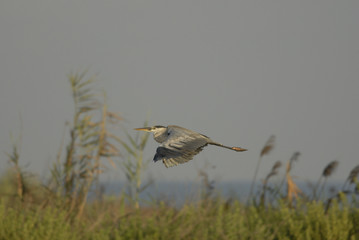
column 179, row 145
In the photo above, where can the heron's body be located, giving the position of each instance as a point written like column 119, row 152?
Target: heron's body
column 179, row 145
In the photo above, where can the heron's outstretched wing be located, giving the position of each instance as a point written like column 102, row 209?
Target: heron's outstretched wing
column 180, row 146
column 173, row 158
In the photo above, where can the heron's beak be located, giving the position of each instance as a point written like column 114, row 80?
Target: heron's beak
column 146, row 129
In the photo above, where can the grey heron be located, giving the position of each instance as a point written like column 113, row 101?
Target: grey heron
column 179, row 145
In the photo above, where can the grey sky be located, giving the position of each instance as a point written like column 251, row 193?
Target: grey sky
column 237, row 71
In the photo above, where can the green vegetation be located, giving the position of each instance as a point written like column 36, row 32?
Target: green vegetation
column 214, row 219
column 58, row 208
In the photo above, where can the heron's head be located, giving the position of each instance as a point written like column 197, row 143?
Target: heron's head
column 159, row 132
column 153, row 129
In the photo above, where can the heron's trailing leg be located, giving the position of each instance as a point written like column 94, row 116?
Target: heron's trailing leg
column 237, row 149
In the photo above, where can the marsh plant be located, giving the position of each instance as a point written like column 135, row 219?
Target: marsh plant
column 90, row 145
column 327, row 172
column 134, row 166
column 267, row 148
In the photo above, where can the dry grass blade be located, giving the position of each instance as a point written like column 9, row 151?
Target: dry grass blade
column 292, row 188
column 268, row 147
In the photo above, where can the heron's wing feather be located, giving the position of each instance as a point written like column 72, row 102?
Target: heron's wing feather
column 180, row 147
column 184, row 139
column 171, row 157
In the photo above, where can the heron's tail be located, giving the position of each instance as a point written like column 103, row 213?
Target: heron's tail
column 237, row 149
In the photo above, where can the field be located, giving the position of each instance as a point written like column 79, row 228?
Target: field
column 215, row 219
column 60, row 208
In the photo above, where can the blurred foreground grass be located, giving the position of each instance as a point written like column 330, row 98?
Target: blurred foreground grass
column 210, row 219
column 58, row 207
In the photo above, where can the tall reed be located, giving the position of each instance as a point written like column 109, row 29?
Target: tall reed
column 90, row 144
column 327, row 172
column 268, row 147
column 134, row 166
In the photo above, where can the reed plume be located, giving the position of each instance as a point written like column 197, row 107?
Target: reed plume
column 330, row 168
column 327, row 172
column 352, row 176
column 273, row 172
column 268, row 147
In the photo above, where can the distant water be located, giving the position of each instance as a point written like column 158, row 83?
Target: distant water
column 181, row 192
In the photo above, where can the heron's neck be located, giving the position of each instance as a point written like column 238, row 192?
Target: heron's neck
column 160, row 136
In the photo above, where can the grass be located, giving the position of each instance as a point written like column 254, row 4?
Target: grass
column 58, row 207
column 214, row 219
